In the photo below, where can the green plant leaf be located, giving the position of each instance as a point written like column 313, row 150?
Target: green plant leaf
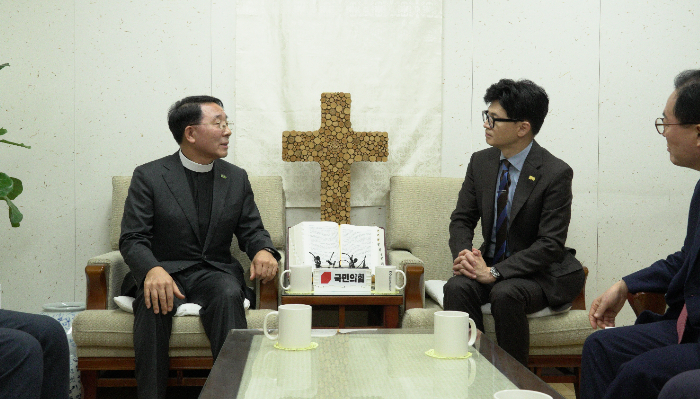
column 17, row 188
column 4, row 65
column 3, row 131
column 15, row 144
column 6, row 184
column 15, row 215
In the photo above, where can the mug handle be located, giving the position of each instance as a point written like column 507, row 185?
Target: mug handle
column 282, row 280
column 472, row 371
column 265, row 326
column 472, row 330
column 398, row 271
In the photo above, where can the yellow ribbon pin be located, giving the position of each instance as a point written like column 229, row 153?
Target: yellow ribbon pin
column 532, row 178
column 224, row 176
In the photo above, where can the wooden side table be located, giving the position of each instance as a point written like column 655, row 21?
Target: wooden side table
column 389, row 305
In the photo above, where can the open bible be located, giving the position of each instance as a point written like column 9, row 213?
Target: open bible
column 329, row 245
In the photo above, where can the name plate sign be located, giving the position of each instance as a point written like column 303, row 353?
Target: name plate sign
column 342, row 281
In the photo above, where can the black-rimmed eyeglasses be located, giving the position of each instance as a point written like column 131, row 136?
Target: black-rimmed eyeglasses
column 492, row 120
column 661, row 125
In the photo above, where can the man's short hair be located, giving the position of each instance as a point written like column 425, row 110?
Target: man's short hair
column 687, row 108
column 522, row 100
column 186, row 112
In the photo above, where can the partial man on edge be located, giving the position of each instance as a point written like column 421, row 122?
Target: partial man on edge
column 636, row 361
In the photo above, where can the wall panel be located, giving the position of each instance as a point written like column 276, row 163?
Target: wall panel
column 37, row 108
column 643, row 200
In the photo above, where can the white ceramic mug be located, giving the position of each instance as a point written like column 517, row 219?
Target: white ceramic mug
column 294, row 321
column 299, row 279
column 385, row 277
column 452, row 336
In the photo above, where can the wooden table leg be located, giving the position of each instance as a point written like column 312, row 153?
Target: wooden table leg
column 391, row 317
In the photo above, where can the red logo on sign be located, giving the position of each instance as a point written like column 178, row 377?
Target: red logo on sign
column 325, row 277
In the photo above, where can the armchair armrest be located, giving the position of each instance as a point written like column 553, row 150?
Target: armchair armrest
column 655, row 302
column 268, row 293
column 100, row 273
column 413, row 267
column 96, row 280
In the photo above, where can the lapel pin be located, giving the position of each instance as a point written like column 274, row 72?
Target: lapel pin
column 532, row 178
column 224, row 176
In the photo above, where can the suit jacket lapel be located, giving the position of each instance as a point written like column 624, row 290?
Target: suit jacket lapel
column 489, row 196
column 528, row 179
column 175, row 178
column 219, row 196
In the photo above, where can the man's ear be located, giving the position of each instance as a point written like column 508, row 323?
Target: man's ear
column 524, row 128
column 697, row 132
column 189, row 134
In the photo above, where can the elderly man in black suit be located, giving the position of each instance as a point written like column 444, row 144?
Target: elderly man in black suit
column 179, row 220
column 636, row 361
column 522, row 195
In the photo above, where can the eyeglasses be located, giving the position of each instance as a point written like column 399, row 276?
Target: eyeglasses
column 222, row 125
column 487, row 117
column 661, row 125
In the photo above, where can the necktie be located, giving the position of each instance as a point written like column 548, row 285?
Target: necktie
column 502, row 212
column 682, row 319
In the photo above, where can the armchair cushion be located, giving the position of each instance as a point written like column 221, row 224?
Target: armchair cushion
column 125, row 303
column 434, row 289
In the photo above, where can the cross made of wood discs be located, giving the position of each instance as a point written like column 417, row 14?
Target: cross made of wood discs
column 335, row 146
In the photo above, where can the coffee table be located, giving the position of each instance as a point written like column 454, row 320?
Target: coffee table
column 387, row 304
column 384, row 363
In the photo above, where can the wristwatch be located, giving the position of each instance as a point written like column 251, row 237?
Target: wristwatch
column 273, row 252
column 495, row 273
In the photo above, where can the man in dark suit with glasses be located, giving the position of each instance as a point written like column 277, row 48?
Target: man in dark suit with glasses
column 522, row 195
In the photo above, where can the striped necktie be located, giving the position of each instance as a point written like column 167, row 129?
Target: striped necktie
column 502, row 212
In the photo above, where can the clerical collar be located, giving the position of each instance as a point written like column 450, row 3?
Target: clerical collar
column 193, row 166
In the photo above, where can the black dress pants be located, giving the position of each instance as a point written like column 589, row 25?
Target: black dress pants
column 34, row 356
column 511, row 300
column 221, row 296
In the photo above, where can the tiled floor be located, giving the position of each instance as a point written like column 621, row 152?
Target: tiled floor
column 566, row 389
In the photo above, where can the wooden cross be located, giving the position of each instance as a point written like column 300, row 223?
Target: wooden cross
column 335, row 146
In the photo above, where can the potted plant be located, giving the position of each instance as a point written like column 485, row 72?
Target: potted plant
column 11, row 187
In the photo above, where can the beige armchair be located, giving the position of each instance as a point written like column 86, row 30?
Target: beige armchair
column 418, row 231
column 103, row 333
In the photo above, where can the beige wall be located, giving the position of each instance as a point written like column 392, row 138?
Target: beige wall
column 90, row 83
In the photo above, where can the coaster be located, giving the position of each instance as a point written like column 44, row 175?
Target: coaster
column 312, row 346
column 431, row 353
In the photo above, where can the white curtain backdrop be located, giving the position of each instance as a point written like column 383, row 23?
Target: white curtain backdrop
column 385, row 53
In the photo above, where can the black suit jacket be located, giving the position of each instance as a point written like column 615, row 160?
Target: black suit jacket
column 538, row 221
column 159, row 226
column 678, row 275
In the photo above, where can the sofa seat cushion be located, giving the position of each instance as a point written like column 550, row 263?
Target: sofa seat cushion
column 566, row 329
column 562, row 331
column 109, row 333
